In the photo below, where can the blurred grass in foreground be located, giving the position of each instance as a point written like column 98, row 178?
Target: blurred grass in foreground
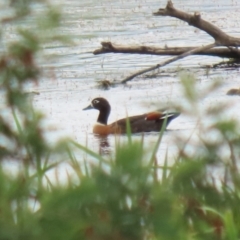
column 119, row 198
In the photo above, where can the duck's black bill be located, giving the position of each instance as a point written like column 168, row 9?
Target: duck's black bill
column 88, row 108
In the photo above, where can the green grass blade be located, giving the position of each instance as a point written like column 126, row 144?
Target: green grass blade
column 158, row 142
column 165, row 168
column 89, row 152
column 129, row 132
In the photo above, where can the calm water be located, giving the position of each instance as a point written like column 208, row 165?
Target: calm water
column 69, row 81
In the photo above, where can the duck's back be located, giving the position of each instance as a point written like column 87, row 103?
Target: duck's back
column 150, row 122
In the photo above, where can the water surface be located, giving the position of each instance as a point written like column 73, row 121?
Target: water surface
column 69, row 81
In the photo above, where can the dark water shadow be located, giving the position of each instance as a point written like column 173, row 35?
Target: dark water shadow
column 103, row 145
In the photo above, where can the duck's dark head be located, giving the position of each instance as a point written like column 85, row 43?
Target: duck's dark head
column 104, row 108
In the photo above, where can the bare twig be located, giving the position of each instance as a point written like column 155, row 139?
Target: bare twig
column 195, row 50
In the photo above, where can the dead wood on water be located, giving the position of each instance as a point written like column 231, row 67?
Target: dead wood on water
column 109, row 47
column 224, row 45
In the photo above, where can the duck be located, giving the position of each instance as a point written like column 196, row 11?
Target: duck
column 147, row 122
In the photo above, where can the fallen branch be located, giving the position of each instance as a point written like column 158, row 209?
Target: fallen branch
column 195, row 50
column 108, row 47
column 221, row 38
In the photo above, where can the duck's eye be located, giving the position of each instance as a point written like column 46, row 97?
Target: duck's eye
column 95, row 102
